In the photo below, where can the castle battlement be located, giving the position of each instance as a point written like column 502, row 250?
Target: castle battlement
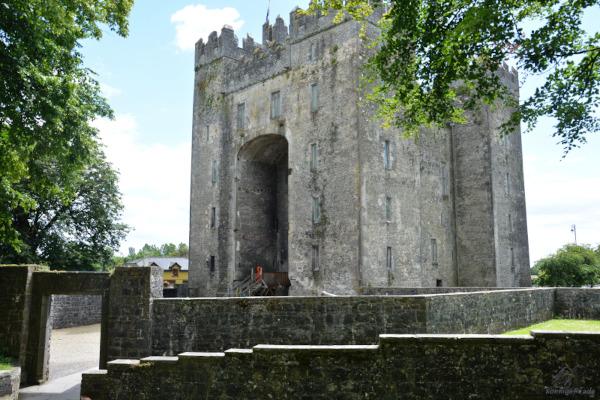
column 275, row 38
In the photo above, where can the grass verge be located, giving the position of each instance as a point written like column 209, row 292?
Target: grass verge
column 5, row 363
column 568, row 325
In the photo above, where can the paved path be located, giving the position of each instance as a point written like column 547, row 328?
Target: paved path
column 72, row 351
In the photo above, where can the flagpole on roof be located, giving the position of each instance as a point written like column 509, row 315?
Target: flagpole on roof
column 268, row 10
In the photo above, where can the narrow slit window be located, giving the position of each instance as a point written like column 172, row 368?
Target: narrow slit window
column 276, row 104
column 315, row 259
column 387, row 160
column 510, row 224
column 388, row 259
column 512, row 259
column 316, row 210
column 314, row 157
column 207, row 133
column 388, row 208
column 507, row 189
column 214, row 172
column 241, row 116
column 314, row 97
column 213, row 217
column 211, row 264
column 434, row 252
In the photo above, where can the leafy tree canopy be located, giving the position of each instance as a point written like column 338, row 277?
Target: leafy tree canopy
column 427, row 46
column 572, row 265
column 76, row 233
column 47, row 145
column 150, row 250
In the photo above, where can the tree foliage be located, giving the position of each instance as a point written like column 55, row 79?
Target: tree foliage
column 427, row 47
column 572, row 265
column 75, row 233
column 151, row 250
column 47, row 145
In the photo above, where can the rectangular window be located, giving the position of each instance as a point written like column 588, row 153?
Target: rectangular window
column 241, row 116
column 388, row 259
column 314, row 97
column 439, row 283
column 316, row 210
column 213, row 217
column 445, row 181
column 211, row 264
column 312, row 53
column 214, row 172
column 207, row 133
column 276, row 104
column 314, row 157
column 387, row 160
column 388, row 208
column 434, row 252
column 315, row 258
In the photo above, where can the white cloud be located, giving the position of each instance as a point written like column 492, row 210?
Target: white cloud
column 560, row 194
column 193, row 22
column 154, row 180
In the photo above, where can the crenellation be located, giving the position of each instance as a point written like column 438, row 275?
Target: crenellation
column 280, row 31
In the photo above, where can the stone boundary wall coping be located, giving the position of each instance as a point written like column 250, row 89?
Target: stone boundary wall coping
column 361, row 296
column 312, row 348
column 383, row 339
column 442, row 338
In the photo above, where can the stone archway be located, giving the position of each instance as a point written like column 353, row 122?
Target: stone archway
column 262, row 206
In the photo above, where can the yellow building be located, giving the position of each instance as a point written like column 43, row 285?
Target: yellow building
column 175, row 269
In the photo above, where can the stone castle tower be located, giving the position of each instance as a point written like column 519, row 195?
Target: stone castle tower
column 290, row 172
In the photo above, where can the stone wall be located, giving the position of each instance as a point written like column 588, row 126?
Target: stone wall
column 547, row 365
column 216, row 324
column 15, row 292
column 577, row 303
column 411, row 291
column 130, row 311
column 77, row 310
column 9, row 384
column 488, row 312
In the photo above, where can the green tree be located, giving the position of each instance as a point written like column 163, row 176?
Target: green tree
column 572, row 265
column 47, row 101
column 150, row 250
column 79, row 232
column 427, row 47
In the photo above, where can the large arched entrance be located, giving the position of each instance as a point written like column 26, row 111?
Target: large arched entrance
column 262, row 207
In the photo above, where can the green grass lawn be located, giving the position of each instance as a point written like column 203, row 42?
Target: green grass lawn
column 571, row 325
column 5, row 363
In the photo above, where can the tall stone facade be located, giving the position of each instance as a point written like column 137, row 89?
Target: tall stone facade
column 291, row 171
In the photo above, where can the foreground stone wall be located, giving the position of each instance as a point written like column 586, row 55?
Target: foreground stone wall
column 9, row 383
column 130, row 311
column 15, row 292
column 547, row 365
column 78, row 310
column 216, row 324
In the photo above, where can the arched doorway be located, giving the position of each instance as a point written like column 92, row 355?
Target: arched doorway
column 262, row 206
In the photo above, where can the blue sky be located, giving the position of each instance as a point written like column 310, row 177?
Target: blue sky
column 148, row 79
